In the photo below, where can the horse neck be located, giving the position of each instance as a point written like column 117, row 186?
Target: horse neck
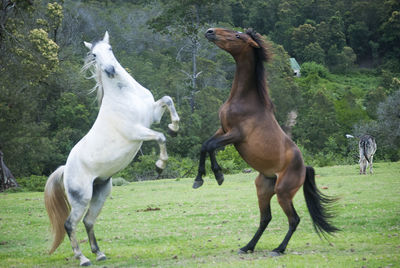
column 124, row 82
column 245, row 80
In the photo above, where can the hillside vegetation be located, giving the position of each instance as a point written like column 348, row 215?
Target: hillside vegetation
column 348, row 51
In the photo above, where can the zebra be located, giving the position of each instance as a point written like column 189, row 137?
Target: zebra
column 367, row 149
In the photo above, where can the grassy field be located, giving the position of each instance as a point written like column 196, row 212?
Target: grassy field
column 168, row 224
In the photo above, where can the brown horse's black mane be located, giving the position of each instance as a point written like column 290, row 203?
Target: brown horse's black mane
column 262, row 54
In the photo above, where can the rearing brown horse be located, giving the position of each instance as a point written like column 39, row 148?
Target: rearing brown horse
column 248, row 122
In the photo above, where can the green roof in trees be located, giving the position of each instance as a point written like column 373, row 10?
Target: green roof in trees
column 294, row 64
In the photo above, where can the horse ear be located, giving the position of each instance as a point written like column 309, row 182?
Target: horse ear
column 106, row 38
column 253, row 43
column 88, row 45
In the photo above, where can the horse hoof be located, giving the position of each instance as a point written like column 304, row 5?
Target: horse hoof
column 241, row 251
column 86, row 263
column 101, row 257
column 172, row 133
column 197, row 184
column 275, row 254
column 220, row 178
column 159, row 170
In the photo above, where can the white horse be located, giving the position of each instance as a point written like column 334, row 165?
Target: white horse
column 127, row 110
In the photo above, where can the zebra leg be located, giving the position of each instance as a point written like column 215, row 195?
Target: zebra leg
column 370, row 164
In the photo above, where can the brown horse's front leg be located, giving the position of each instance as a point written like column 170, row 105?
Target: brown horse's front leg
column 219, row 140
column 219, row 176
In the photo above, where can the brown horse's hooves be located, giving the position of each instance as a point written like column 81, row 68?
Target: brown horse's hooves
column 197, row 184
column 244, row 251
column 220, row 178
column 172, row 133
column 275, row 254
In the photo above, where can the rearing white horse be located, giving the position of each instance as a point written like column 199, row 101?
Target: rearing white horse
column 126, row 113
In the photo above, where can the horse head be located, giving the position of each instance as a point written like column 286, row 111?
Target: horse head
column 238, row 43
column 231, row 41
column 101, row 54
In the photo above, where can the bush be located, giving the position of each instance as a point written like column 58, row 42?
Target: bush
column 119, row 181
column 312, row 68
column 230, row 160
column 32, row 183
column 144, row 168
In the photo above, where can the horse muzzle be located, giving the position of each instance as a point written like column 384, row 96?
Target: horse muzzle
column 110, row 71
column 210, row 35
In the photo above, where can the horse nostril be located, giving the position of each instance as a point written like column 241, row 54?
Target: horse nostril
column 110, row 71
column 210, row 31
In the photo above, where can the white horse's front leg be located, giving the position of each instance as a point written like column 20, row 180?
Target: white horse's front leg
column 147, row 134
column 160, row 105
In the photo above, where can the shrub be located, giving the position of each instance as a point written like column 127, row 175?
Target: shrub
column 32, row 183
column 312, row 68
column 119, row 181
column 230, row 160
column 144, row 168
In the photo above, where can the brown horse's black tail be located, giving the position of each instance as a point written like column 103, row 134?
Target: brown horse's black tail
column 318, row 205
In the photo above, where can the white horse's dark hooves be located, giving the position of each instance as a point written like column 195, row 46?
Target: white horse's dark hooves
column 101, row 257
column 159, row 170
column 172, row 133
column 86, row 263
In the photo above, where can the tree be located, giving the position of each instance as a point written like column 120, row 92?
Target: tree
column 386, row 128
column 184, row 19
column 359, row 35
column 313, row 52
column 7, row 179
column 302, row 36
column 28, row 57
column 282, row 88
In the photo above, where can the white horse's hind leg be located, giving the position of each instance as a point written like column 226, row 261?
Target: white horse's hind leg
column 160, row 105
column 147, row 134
column 100, row 192
column 78, row 207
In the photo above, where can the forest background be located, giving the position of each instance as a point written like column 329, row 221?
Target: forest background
column 349, row 52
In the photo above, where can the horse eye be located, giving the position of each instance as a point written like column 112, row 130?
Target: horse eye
column 238, row 36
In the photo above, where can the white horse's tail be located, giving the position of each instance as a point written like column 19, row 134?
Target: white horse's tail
column 57, row 206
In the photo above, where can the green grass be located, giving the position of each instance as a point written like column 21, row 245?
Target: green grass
column 205, row 227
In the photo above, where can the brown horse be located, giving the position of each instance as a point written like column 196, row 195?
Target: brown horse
column 248, row 122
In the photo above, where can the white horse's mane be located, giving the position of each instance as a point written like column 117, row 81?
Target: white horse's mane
column 95, row 73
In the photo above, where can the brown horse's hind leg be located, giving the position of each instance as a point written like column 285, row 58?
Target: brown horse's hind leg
column 294, row 220
column 265, row 191
column 285, row 197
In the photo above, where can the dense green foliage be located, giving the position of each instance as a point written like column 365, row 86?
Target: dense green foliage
column 168, row 224
column 45, row 107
